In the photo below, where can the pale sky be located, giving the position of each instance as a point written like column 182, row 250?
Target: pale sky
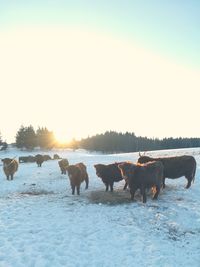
column 83, row 67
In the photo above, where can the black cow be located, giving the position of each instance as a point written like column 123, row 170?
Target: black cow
column 39, row 159
column 109, row 174
column 175, row 167
column 27, row 159
column 142, row 176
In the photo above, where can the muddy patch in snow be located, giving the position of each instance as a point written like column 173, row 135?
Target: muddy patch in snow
column 30, row 193
column 114, row 198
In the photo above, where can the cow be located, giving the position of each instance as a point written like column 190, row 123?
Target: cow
column 56, row 156
column 77, row 174
column 23, row 159
column 109, row 174
column 63, row 164
column 26, row 159
column 175, row 167
column 143, row 176
column 10, row 166
column 46, row 157
column 39, row 159
column 31, row 159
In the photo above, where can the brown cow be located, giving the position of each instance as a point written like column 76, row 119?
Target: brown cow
column 142, row 176
column 39, row 159
column 175, row 167
column 77, row 174
column 10, row 166
column 63, row 164
column 109, row 174
column 56, row 156
column 47, row 157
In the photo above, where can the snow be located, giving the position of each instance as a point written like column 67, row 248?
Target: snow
column 43, row 225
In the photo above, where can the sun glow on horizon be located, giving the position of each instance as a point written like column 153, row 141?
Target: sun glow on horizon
column 62, row 138
column 85, row 83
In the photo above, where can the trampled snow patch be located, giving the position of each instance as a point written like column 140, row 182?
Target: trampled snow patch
column 43, row 225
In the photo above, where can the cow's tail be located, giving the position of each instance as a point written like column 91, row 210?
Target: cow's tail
column 194, row 170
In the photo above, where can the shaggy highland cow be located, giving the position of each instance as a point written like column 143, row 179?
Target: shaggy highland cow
column 175, row 167
column 46, row 157
column 77, row 174
column 10, row 166
column 63, row 164
column 56, row 156
column 142, row 176
column 109, row 174
column 39, row 160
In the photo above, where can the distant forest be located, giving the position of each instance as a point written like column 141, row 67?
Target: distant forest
column 108, row 142
column 111, row 142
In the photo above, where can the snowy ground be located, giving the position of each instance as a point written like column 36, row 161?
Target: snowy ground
column 43, row 225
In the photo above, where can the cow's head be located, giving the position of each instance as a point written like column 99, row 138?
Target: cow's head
column 72, row 170
column 100, row 168
column 144, row 159
column 127, row 169
column 6, row 162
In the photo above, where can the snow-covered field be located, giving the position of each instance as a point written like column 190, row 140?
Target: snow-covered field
column 43, row 225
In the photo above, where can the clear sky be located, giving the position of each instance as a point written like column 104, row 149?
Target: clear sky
column 82, row 67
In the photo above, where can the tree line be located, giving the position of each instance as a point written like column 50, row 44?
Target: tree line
column 111, row 142
column 28, row 138
column 108, row 142
column 3, row 144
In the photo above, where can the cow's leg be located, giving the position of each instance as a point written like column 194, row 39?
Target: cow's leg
column 11, row 176
column 107, row 185
column 163, row 182
column 111, row 187
column 125, row 186
column 132, row 192
column 86, row 182
column 73, row 189
column 7, row 177
column 189, row 182
column 157, row 192
column 143, row 192
column 78, row 189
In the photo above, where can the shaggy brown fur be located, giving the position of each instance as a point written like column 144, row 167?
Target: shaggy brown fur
column 46, row 157
column 175, row 167
column 56, row 156
column 77, row 174
column 109, row 174
column 39, row 160
column 10, row 166
column 142, row 176
column 63, row 164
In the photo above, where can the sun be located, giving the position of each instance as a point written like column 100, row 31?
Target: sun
column 62, row 138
